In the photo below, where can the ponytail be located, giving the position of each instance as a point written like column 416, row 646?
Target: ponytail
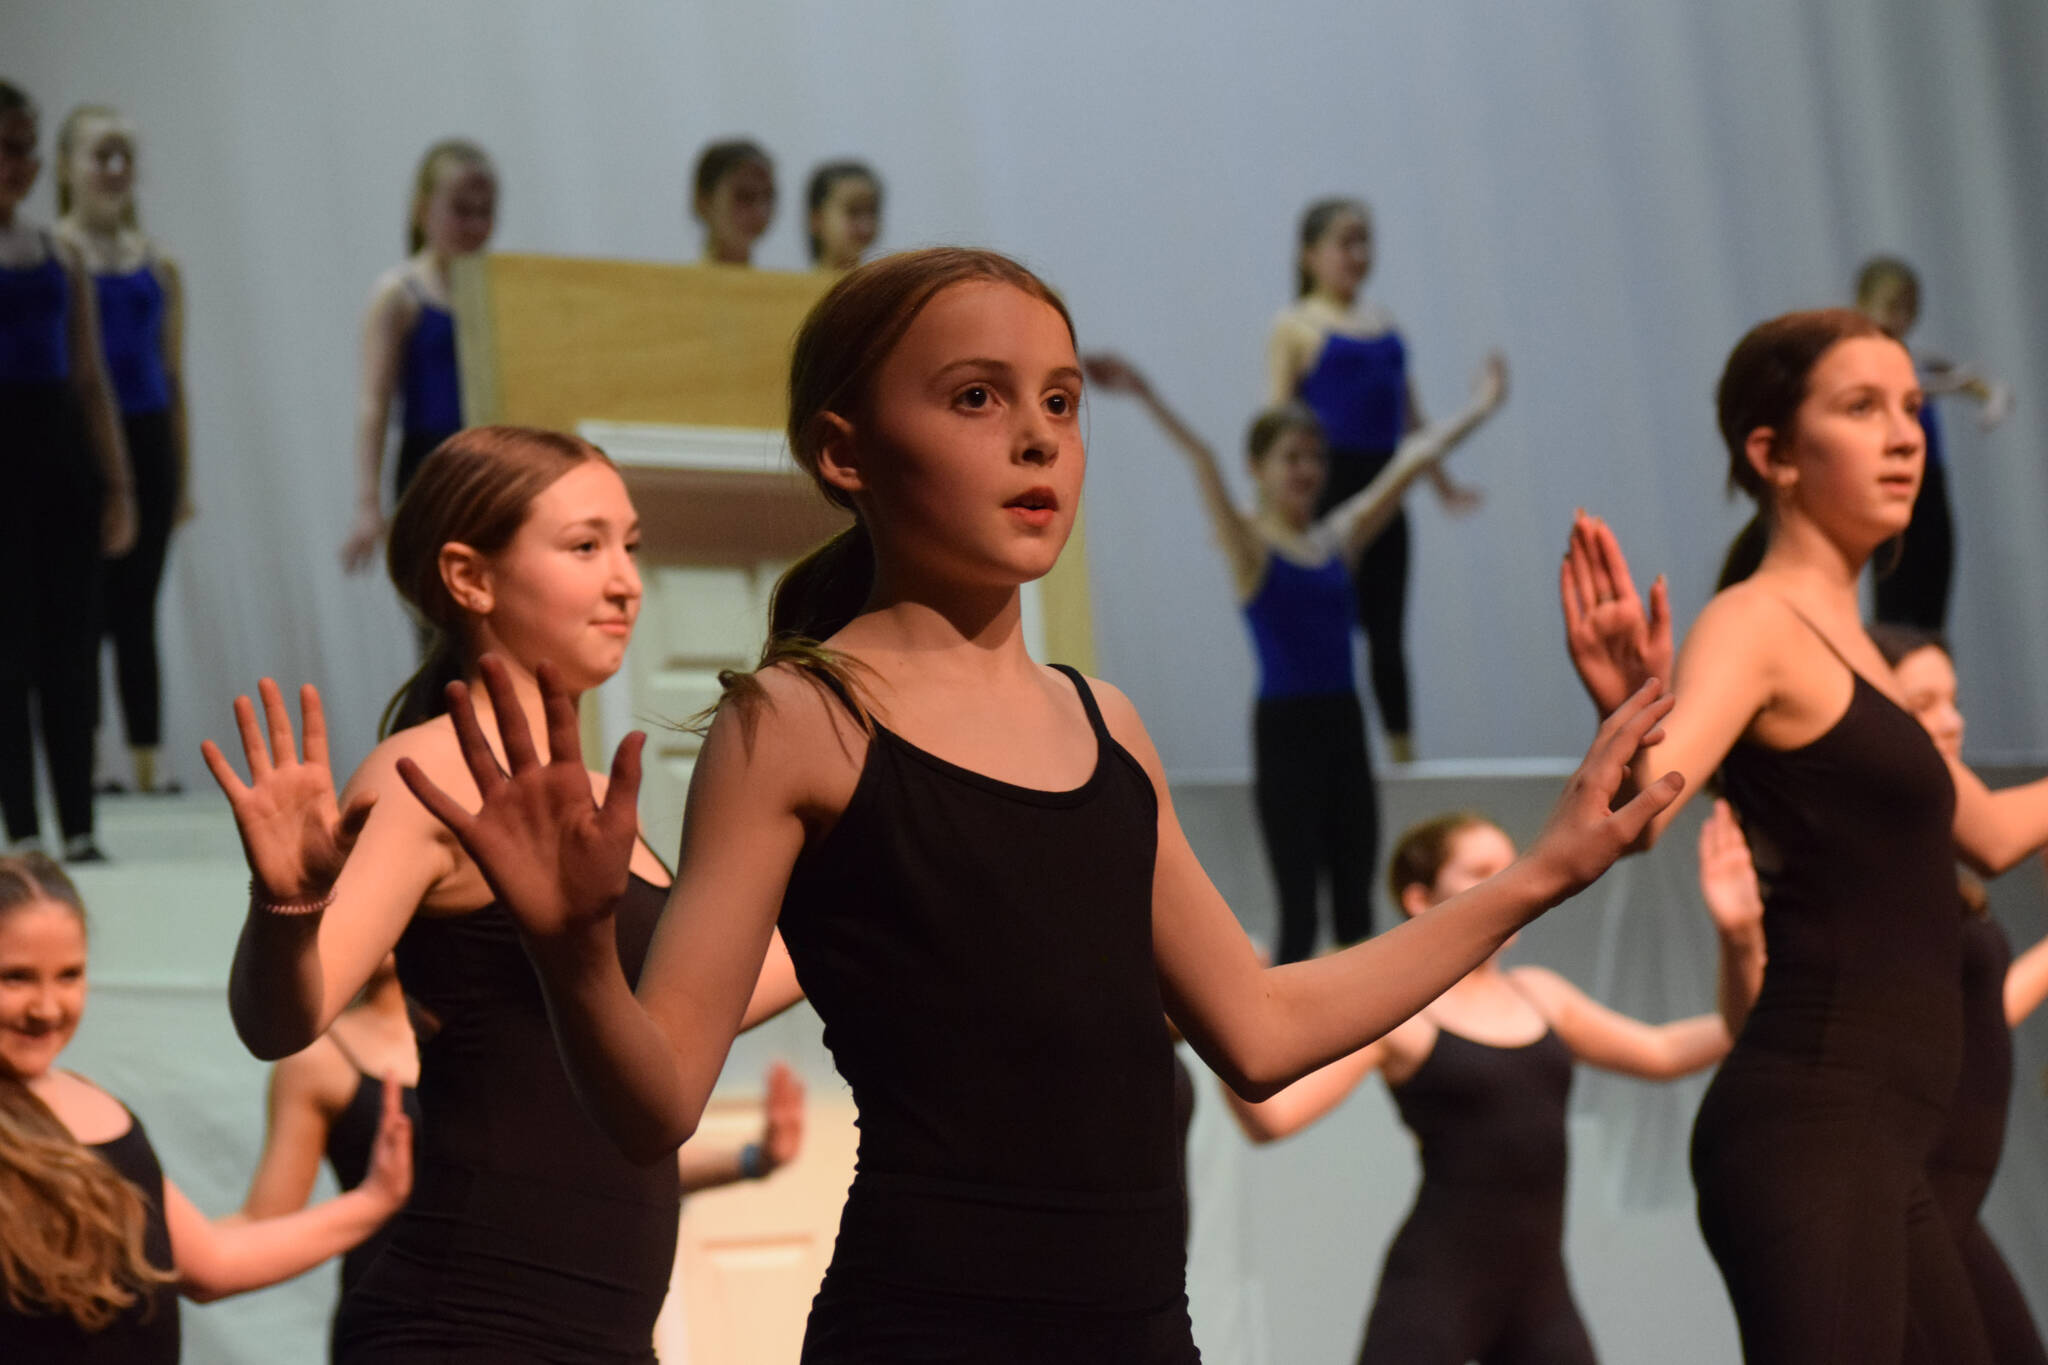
column 1745, row 553
column 815, row 599
column 425, row 694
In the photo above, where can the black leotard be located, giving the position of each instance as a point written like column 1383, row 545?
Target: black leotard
column 1477, row 1270
column 981, row 954
column 528, row 1236
column 1810, row 1150
column 1967, row 1157
column 351, row 1138
column 146, row 1333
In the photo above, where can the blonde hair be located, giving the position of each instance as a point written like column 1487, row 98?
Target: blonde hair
column 67, row 138
column 448, row 151
column 71, row 1227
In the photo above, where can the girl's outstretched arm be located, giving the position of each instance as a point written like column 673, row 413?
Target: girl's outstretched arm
column 557, row 860
column 1357, row 521
column 1262, row 1028
column 1297, row 1106
column 1242, row 545
column 1614, row 1041
column 1996, row 829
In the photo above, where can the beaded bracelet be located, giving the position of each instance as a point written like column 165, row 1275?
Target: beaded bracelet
column 311, row 905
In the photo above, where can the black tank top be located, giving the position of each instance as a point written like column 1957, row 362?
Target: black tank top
column 1855, row 852
column 350, row 1140
column 1491, row 1119
column 1975, row 1134
column 527, row 1228
column 146, row 1332
column 981, row 954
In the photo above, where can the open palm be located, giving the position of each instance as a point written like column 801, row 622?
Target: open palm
column 1615, row 643
column 294, row 834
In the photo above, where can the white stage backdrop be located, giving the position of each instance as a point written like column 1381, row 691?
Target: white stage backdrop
column 1610, row 192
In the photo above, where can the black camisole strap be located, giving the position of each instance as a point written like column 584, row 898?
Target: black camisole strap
column 347, row 1052
column 1095, row 721
column 1823, row 636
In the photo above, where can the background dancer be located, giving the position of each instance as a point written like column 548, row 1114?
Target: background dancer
column 69, row 501
column 1810, row 1150
column 845, row 203
column 1482, row 1077
column 528, row 1236
column 1343, row 355
column 899, row 756
column 733, row 199
column 1292, row 570
column 409, row 333
column 141, row 303
column 98, row 1244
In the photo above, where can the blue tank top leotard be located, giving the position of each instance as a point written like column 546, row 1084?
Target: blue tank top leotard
column 131, row 334
column 1301, row 622
column 430, row 384
column 1358, row 389
column 34, row 310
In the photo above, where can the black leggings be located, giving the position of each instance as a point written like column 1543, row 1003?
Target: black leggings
column 49, row 606
column 1472, row 1277
column 1319, row 813
column 1816, row 1204
column 133, row 580
column 1914, row 592
column 1380, row 584
column 2007, row 1321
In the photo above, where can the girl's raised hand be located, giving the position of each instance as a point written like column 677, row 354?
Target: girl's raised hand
column 1615, row 645
column 293, row 834
column 390, row 1175
column 1585, row 834
column 1727, row 875
column 782, row 1130
column 555, row 857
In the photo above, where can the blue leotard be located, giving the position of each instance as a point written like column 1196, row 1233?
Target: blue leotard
column 131, row 335
column 1358, row 387
column 1301, row 622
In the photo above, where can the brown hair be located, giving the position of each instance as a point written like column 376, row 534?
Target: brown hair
column 1420, row 853
column 451, row 150
column 839, row 349
column 1315, row 221
column 67, row 135
column 820, row 188
column 1762, row 385
column 476, row 488
column 1274, row 422
column 1878, row 269
column 15, row 100
column 71, row 1228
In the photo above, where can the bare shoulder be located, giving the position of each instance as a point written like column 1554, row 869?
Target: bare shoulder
column 1546, row 989
column 1746, row 622
column 1294, row 325
column 786, row 727
column 318, row 1076
column 90, row 1113
column 165, row 267
column 432, row 746
column 1121, row 716
column 390, row 298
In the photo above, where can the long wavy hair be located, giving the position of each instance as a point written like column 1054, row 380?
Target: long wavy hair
column 839, row 349
column 71, row 1227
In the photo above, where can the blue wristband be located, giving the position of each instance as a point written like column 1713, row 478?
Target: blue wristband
column 753, row 1161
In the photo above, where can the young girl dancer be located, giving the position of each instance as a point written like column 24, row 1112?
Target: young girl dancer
column 1292, row 569
column 1342, row 354
column 1810, row 1151
column 69, row 500
column 974, row 859
column 845, row 203
column 409, row 333
column 732, row 198
column 1482, row 1077
column 97, row 1244
column 141, row 310
column 528, row 1236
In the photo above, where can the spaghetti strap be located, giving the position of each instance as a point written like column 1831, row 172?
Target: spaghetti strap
column 334, row 1037
column 1804, row 621
column 1095, row 721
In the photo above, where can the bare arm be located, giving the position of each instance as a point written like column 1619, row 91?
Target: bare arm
column 1457, row 498
column 391, row 316
column 1242, row 545
column 1996, row 829
column 1287, row 357
column 215, row 1259
column 173, row 343
column 299, row 1114
column 96, row 401
column 1615, row 1042
column 1295, row 1107
column 1357, row 521
column 1261, row 1029
column 1728, row 886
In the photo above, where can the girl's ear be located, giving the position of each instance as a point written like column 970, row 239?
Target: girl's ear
column 839, row 464
column 1414, row 898
column 1761, row 450
column 466, row 574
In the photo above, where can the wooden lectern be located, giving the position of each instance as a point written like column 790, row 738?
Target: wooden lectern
column 680, row 373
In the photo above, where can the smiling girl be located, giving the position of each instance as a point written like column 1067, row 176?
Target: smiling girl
column 97, row 1244
column 974, row 858
column 1810, row 1152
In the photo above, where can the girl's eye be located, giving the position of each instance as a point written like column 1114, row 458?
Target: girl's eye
column 1060, row 404
column 975, row 396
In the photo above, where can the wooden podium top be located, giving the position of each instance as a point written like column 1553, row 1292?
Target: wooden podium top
column 555, row 341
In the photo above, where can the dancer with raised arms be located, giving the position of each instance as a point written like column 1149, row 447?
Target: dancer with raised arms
column 974, row 859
